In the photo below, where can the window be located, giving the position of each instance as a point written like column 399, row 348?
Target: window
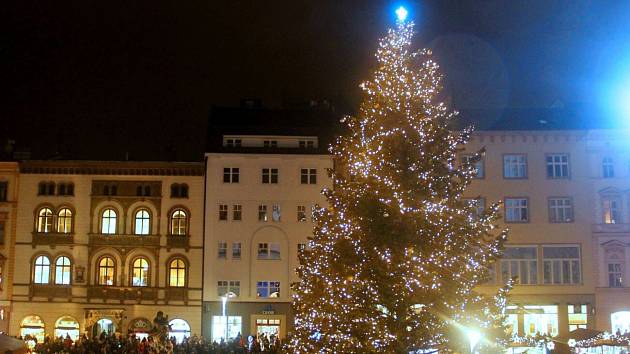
column 615, row 275
column 560, row 210
column 301, row 213
column 143, row 191
column 65, row 189
column 275, row 213
column 106, row 271
column 301, row 247
column 515, row 166
column 270, row 143
column 306, row 144
column 516, row 210
column 4, row 188
column 45, row 220
column 223, row 212
column 541, row 319
column 108, row 222
column 64, row 221
column 179, row 190
column 478, row 166
column 268, row 250
column 41, row 274
column 111, row 190
column 140, row 272
column 230, row 175
column 577, row 316
column 177, row 273
column 229, row 288
column 270, row 175
column 236, row 250
column 479, row 205
column 561, row 265
column 233, row 327
column 308, row 176
column 237, row 212
column 233, row 143
column 50, row 188
column 520, row 262
column 179, row 222
column 2, row 228
column 222, row 249
column 608, row 167
column 611, row 210
column 62, row 271
column 262, row 213
column 268, row 289
column 557, row 166
column 143, row 222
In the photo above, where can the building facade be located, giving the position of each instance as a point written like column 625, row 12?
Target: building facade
column 103, row 246
column 9, row 178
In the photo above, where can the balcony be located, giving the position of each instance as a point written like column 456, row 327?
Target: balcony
column 176, row 241
column 52, row 239
column 49, row 291
column 176, row 294
column 610, row 228
column 124, row 240
column 122, row 293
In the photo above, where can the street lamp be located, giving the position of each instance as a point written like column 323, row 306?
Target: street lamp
column 224, row 303
column 473, row 338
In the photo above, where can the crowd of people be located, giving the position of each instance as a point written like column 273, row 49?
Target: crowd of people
column 132, row 344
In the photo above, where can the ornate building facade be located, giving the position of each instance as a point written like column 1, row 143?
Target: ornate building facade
column 103, row 246
column 9, row 178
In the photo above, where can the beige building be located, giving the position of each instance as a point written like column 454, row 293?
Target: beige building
column 9, row 177
column 103, row 246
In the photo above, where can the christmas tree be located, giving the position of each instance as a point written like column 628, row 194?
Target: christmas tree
column 398, row 251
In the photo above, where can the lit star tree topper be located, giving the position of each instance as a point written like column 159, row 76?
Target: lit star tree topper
column 398, row 253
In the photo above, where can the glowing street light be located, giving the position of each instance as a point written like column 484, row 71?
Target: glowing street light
column 402, row 13
column 473, row 338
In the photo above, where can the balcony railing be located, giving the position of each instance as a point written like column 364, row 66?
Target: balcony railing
column 122, row 293
column 177, row 241
column 176, row 294
column 49, row 291
column 124, row 240
column 52, row 238
column 611, row 228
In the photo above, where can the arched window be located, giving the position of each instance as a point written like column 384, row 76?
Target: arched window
column 108, row 222
column 140, row 275
column 143, row 222
column 62, row 271
column 177, row 273
column 179, row 329
column 608, row 168
column 179, row 222
column 67, row 326
column 44, row 220
column 64, row 221
column 106, row 271
column 41, row 274
column 33, row 326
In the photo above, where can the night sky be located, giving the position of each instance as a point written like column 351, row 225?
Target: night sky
column 96, row 79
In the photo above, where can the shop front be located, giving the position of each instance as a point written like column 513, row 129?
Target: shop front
column 67, row 326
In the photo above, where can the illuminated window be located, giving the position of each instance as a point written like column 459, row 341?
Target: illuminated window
column 620, row 322
column 615, row 275
column 515, row 166
column 179, row 329
column 62, row 271
column 67, row 326
column 520, row 262
column 541, row 319
column 64, row 221
column 33, row 326
column 577, row 317
column 301, row 213
column 262, row 213
column 177, row 273
column 140, row 276
column 44, row 220
column 511, row 320
column 478, row 165
column 233, row 328
column 608, row 167
column 223, row 212
column 108, row 221
column 270, row 175
column 516, row 210
column 268, row 289
column 557, row 166
column 561, row 265
column 231, row 175
column 143, row 222
column 179, row 223
column 560, row 210
column 611, row 210
column 106, row 271
column 229, row 288
column 41, row 274
column 237, row 212
column 308, row 176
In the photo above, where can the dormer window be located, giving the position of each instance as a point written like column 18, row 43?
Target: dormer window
column 232, row 143
column 270, row 144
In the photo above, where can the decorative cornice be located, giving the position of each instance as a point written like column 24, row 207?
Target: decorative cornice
column 126, row 168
